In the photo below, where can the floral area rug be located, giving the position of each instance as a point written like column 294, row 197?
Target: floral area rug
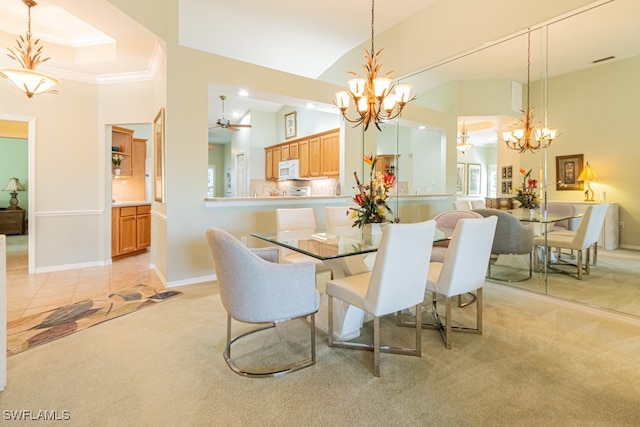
column 41, row 328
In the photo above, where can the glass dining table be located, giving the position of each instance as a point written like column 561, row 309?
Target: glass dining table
column 346, row 251
column 544, row 222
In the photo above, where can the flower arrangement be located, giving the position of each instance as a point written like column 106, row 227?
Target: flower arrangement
column 116, row 159
column 527, row 194
column 371, row 197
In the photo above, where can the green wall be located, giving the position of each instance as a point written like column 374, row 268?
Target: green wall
column 14, row 154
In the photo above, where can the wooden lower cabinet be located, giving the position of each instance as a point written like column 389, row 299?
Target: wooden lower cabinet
column 130, row 230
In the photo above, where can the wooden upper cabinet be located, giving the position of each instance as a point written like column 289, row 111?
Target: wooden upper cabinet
column 121, row 144
column 293, row 150
column 268, row 167
column 319, row 155
column 284, row 152
column 303, row 155
column 314, row 156
column 386, row 163
column 277, row 158
column 330, row 154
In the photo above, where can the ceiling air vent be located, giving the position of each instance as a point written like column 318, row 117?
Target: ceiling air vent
column 607, row 58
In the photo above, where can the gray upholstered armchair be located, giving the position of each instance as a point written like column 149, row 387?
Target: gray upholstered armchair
column 254, row 288
column 511, row 238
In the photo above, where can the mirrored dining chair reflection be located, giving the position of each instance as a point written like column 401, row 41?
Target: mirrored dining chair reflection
column 256, row 289
column 583, row 240
column 511, row 240
column 397, row 282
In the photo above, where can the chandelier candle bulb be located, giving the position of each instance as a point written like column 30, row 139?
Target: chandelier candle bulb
column 377, row 99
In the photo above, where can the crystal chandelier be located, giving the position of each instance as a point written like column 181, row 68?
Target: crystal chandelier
column 464, row 146
column 27, row 54
column 519, row 139
column 376, row 99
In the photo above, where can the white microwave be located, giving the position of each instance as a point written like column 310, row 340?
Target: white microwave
column 289, row 169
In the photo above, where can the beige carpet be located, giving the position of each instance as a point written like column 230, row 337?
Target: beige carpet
column 537, row 364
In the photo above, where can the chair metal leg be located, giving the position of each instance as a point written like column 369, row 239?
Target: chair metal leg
column 375, row 346
column 447, row 328
column 279, row 372
column 580, row 264
column 447, row 319
column 330, row 326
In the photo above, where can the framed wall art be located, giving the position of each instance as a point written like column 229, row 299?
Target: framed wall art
column 460, row 178
column 290, row 125
column 568, row 170
column 158, row 157
column 474, row 179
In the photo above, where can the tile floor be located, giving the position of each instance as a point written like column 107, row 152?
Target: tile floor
column 29, row 294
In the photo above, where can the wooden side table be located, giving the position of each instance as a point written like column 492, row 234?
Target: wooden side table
column 11, row 221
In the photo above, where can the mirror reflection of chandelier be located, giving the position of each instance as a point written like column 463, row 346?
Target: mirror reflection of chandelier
column 520, row 138
column 463, row 144
column 28, row 55
column 376, row 99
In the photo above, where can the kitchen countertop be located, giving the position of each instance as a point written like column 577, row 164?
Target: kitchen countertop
column 212, row 202
column 124, row 204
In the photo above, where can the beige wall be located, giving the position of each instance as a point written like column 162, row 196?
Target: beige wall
column 596, row 112
column 72, row 226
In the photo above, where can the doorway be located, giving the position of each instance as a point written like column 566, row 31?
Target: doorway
column 20, row 128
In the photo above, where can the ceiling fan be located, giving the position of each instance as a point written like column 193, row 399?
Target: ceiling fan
column 226, row 123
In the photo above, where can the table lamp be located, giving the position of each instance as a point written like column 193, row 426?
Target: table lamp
column 13, row 186
column 587, row 175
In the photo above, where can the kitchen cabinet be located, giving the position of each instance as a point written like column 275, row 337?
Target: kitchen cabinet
column 330, row 154
column 319, row 155
column 303, row 155
column 314, row 157
column 130, row 183
column 386, row 163
column 121, row 144
column 293, row 151
column 268, row 167
column 130, row 230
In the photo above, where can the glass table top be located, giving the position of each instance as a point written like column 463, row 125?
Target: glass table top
column 526, row 215
column 325, row 245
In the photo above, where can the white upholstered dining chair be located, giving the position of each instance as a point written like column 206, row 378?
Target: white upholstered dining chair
column 338, row 219
column 397, row 282
column 461, row 205
column 298, row 220
column 463, row 270
column 254, row 288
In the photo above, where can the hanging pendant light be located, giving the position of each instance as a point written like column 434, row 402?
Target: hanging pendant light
column 28, row 55
column 464, row 145
column 520, row 138
column 376, row 99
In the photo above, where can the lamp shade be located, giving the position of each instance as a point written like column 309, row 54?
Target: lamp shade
column 13, row 185
column 588, row 174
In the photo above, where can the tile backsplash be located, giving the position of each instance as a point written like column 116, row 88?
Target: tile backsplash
column 319, row 187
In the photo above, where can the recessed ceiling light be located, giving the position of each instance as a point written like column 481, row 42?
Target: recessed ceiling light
column 422, row 127
column 243, row 93
column 310, row 105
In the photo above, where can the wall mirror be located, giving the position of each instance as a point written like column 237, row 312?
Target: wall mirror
column 569, row 91
column 158, row 157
